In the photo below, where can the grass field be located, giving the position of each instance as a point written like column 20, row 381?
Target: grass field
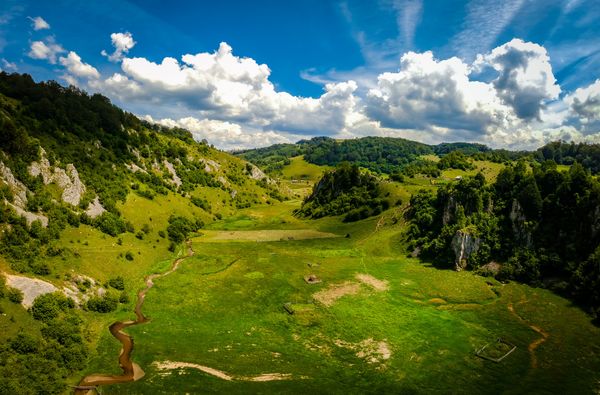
column 376, row 323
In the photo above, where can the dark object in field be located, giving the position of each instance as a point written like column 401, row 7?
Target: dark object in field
column 501, row 346
column 288, row 307
column 312, row 279
column 313, row 264
column 347, row 235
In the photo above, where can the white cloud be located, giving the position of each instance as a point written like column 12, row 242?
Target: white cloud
column 231, row 101
column 38, row 23
column 122, row 42
column 48, row 50
column 223, row 86
column 585, row 102
column 226, row 135
column 525, row 77
column 8, row 66
column 437, row 96
column 78, row 68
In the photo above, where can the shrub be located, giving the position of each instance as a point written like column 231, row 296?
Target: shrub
column 129, row 256
column 117, row 283
column 104, row 304
column 110, row 224
column 49, row 306
column 14, row 295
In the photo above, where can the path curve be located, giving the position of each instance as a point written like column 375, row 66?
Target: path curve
column 536, row 343
column 131, row 371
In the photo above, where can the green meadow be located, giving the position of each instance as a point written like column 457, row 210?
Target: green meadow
column 239, row 317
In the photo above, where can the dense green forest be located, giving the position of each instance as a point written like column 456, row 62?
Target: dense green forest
column 400, row 156
column 542, row 224
column 345, row 190
column 378, row 154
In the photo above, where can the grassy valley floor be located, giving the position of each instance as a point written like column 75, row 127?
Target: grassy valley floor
column 239, row 317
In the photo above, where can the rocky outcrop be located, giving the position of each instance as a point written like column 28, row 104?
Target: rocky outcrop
column 29, row 216
column 257, row 174
column 31, row 288
column 175, row 178
column 210, row 165
column 449, row 210
column 18, row 189
column 517, row 219
column 95, row 208
column 464, row 244
column 135, row 168
column 68, row 180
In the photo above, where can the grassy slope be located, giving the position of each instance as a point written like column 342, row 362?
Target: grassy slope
column 234, row 321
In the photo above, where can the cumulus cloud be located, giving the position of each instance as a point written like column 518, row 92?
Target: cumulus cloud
column 584, row 109
column 436, row 95
column 507, row 97
column 77, row 68
column 223, row 86
column 226, row 135
column 48, row 50
column 122, row 42
column 38, row 23
column 585, row 102
column 525, row 79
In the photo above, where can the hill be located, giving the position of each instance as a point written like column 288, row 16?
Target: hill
column 92, row 198
column 345, row 190
column 378, row 154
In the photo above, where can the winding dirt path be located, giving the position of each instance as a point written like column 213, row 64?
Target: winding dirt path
column 131, row 371
column 536, row 343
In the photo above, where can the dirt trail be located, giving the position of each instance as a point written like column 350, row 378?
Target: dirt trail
column 131, row 371
column 536, row 343
column 171, row 365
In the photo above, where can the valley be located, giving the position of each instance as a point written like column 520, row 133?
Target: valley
column 218, row 323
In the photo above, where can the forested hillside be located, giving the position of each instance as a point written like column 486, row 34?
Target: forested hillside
column 542, row 226
column 378, row 154
column 345, row 190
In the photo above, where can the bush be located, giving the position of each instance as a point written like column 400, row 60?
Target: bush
column 49, row 306
column 180, row 227
column 110, row 224
column 24, row 343
column 14, row 295
column 104, row 304
column 117, row 283
column 129, row 256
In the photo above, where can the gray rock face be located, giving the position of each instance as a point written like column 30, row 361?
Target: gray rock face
column 95, row 208
column 18, row 189
column 449, row 210
column 175, row 178
column 464, row 244
column 67, row 180
column 517, row 219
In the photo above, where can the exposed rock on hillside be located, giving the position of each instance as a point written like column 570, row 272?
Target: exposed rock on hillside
column 29, row 216
column 517, row 219
column 175, row 178
column 31, row 288
column 135, row 168
column 95, row 208
column 464, row 244
column 67, row 180
column 18, row 189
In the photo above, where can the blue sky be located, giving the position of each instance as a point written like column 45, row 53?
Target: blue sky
column 515, row 73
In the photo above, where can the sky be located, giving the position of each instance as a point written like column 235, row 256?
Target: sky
column 510, row 74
